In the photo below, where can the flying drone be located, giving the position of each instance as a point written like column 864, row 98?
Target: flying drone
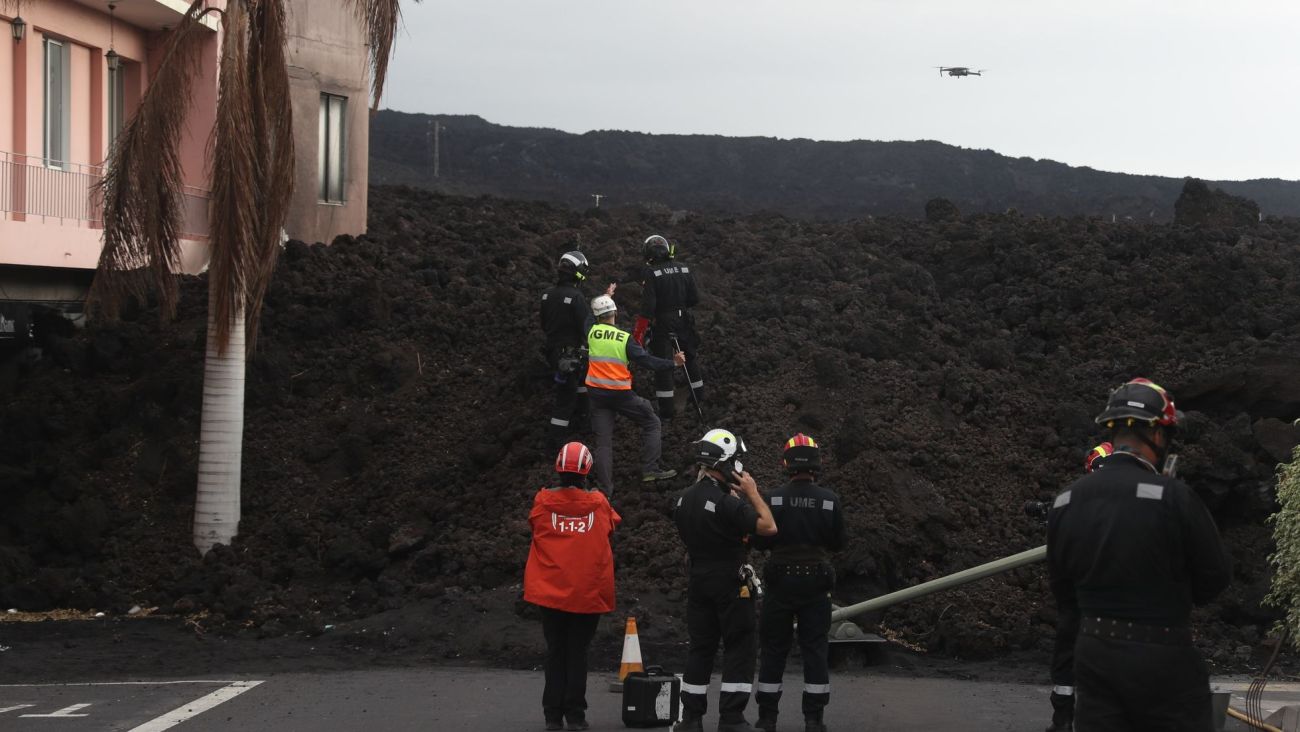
column 959, row 71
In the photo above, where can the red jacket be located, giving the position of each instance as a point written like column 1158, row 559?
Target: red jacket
column 570, row 564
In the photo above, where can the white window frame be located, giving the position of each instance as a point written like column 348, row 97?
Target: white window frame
column 58, row 91
column 332, row 158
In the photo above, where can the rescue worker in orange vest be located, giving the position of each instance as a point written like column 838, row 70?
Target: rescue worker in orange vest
column 1067, row 632
column 609, row 392
column 570, row 576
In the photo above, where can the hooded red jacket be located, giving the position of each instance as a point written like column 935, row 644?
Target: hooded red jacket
column 570, row 564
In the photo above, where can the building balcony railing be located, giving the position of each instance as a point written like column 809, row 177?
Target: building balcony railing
column 69, row 194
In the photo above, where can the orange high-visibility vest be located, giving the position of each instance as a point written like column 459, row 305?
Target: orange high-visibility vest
column 607, row 358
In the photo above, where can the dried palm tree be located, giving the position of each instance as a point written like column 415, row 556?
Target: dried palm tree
column 252, row 185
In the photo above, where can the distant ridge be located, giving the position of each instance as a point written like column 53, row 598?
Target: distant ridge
column 803, row 178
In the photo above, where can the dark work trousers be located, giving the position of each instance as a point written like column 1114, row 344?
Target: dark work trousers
column 570, row 407
column 718, row 610
column 1125, row 686
column 682, row 324
column 568, row 635
column 604, row 404
column 1062, row 698
column 803, row 596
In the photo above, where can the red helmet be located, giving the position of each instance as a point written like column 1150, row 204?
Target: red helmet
column 574, row 458
column 801, row 455
column 1140, row 400
column 1097, row 455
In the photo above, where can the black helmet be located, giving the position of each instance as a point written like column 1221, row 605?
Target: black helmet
column 573, row 265
column 657, row 249
column 801, row 455
column 1140, row 401
column 721, row 450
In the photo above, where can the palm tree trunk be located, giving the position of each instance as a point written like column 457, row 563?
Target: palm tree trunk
column 221, row 436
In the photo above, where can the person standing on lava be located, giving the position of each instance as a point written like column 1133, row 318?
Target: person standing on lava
column 570, row 576
column 669, row 293
column 1131, row 549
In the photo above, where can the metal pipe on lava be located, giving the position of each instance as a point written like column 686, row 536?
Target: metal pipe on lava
column 998, row 566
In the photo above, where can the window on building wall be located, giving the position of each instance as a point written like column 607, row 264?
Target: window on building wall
column 333, row 147
column 58, row 85
column 116, row 101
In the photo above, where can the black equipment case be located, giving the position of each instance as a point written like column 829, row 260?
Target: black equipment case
column 651, row 698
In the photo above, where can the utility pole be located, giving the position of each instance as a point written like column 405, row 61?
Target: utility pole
column 597, row 196
column 437, row 133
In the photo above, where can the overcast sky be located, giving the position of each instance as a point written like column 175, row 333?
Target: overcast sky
column 1209, row 88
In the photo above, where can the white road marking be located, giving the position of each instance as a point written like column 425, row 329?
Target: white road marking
column 63, row 713
column 196, row 707
column 222, row 682
column 15, row 708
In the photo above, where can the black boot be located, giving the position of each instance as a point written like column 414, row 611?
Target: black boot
column 1062, row 713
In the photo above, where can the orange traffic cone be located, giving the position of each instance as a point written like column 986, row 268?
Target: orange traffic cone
column 631, row 655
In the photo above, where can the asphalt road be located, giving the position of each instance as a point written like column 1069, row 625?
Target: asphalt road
column 394, row 700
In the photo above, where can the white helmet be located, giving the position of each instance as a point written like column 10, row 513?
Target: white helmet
column 602, row 305
column 720, row 449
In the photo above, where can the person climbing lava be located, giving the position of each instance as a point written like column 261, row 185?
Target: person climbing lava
column 669, row 293
column 566, row 318
column 609, row 385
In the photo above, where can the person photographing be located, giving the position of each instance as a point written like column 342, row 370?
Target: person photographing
column 715, row 518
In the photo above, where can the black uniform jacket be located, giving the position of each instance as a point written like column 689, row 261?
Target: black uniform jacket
column 566, row 316
column 713, row 523
column 809, row 522
column 668, row 287
column 1127, row 543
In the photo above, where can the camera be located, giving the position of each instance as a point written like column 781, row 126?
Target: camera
column 1038, row 510
column 571, row 359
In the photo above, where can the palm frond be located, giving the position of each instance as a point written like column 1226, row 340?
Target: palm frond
column 142, row 184
column 234, row 178
column 273, row 118
column 381, row 19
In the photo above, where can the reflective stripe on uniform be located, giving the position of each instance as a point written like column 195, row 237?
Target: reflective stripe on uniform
column 816, row 688
column 1151, row 490
column 604, row 359
column 695, row 689
column 1063, row 690
column 1062, row 500
column 664, row 394
column 734, row 687
column 559, row 422
column 608, row 383
column 581, row 390
column 765, row 688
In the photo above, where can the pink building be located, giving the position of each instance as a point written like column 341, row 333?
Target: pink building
column 72, row 72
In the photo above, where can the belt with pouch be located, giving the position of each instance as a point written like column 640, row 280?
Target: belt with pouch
column 1125, row 630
